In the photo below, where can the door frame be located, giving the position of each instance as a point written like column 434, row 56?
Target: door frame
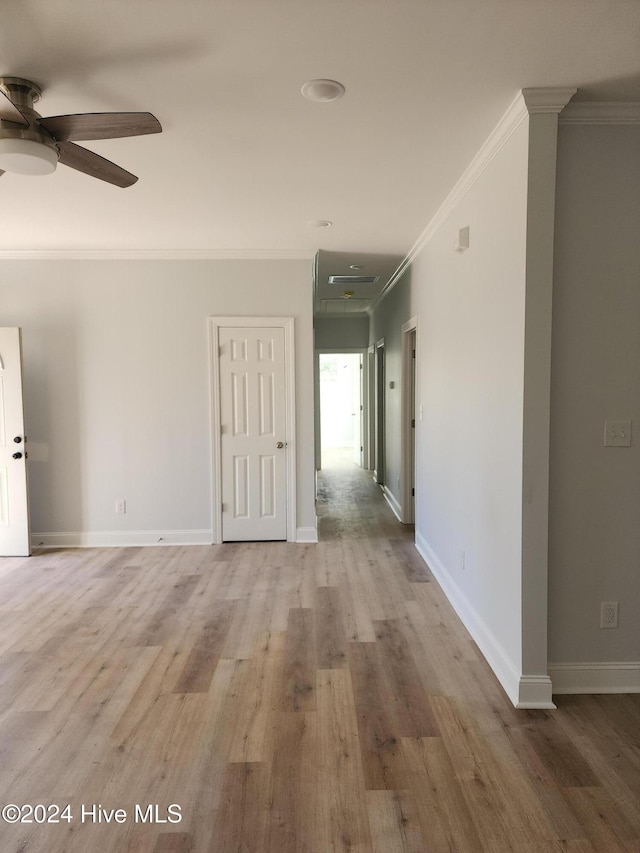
column 380, row 413
column 371, row 407
column 287, row 324
column 409, row 339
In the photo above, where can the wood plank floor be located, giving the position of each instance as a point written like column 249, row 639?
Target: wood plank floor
column 290, row 699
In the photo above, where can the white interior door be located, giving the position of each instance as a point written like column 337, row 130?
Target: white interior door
column 253, row 433
column 14, row 501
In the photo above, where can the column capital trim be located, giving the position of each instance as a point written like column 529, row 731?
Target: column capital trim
column 547, row 99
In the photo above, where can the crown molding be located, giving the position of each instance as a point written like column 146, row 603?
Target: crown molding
column 532, row 101
column 516, row 113
column 602, row 112
column 156, row 255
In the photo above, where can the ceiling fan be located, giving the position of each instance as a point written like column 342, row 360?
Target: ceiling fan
column 32, row 145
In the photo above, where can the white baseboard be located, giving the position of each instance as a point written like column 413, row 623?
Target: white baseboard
column 525, row 691
column 121, row 538
column 393, row 503
column 129, row 538
column 535, row 691
column 606, row 677
column 308, row 535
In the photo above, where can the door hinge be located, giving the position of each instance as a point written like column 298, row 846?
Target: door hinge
column 413, row 423
column 413, row 493
column 413, row 354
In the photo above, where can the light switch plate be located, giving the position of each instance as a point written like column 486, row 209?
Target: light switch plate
column 617, row 434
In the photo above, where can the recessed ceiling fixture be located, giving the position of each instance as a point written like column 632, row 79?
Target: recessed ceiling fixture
column 320, row 223
column 323, row 90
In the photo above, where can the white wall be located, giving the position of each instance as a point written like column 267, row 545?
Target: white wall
column 483, row 368
column 594, row 551
column 336, row 333
column 117, row 385
column 469, row 453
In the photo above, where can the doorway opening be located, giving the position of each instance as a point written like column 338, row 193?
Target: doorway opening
column 342, row 436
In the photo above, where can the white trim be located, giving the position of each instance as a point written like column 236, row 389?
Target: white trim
column 121, row 538
column 393, row 502
column 601, row 113
column 129, row 538
column 406, row 430
column 307, row 535
column 498, row 138
column 287, row 324
column 524, row 691
column 606, row 677
column 340, row 350
column 154, row 255
column 535, row 691
column 547, row 99
column 371, row 406
column 379, row 405
column 526, row 102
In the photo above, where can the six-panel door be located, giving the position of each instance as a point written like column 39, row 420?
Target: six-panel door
column 252, row 441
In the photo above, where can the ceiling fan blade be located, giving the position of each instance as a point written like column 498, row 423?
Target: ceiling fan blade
column 9, row 111
column 93, row 164
column 85, row 126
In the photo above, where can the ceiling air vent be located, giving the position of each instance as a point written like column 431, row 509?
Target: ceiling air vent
column 353, row 279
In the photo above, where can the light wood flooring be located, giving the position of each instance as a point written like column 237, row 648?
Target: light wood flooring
column 290, row 699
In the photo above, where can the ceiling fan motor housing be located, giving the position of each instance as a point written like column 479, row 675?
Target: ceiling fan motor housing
column 23, row 94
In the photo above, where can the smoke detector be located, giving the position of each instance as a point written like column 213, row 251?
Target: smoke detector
column 322, row 90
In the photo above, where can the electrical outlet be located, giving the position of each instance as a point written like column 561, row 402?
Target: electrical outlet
column 121, row 506
column 609, row 614
column 617, row 434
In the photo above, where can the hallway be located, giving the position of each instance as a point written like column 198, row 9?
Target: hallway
column 290, row 699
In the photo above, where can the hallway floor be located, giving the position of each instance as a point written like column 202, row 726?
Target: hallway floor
column 289, row 699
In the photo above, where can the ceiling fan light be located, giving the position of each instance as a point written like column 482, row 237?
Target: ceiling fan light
column 27, row 157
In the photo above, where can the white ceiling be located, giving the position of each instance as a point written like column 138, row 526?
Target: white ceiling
column 330, row 300
column 244, row 162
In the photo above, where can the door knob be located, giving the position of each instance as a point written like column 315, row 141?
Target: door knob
column 17, row 455
column 18, row 439
column 280, row 445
